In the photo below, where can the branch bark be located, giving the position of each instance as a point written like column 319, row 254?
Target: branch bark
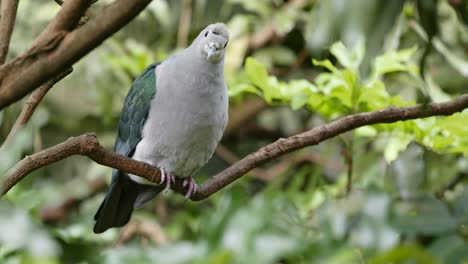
column 58, row 48
column 88, row 145
column 8, row 9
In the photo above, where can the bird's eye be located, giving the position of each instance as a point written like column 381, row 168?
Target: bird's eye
column 225, row 45
column 206, row 34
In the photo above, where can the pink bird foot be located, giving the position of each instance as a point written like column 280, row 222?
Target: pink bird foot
column 192, row 187
column 166, row 177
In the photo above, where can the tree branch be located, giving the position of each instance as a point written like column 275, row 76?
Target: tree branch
column 37, row 95
column 184, row 24
column 8, row 10
column 88, row 145
column 33, row 101
column 68, row 17
column 57, row 48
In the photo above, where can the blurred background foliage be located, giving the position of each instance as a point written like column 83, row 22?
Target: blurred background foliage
column 290, row 66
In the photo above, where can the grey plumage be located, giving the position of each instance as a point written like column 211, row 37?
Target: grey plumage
column 179, row 126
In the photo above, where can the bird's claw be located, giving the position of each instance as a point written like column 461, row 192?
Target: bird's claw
column 163, row 175
column 192, row 187
column 168, row 178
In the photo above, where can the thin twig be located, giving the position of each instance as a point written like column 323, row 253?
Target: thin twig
column 347, row 152
column 33, row 101
column 184, row 24
column 88, row 145
column 280, row 167
column 8, row 9
column 231, row 158
column 261, row 38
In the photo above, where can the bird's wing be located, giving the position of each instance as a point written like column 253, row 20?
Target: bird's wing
column 135, row 112
column 117, row 207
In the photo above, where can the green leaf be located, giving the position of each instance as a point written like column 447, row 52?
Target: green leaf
column 256, row 72
column 395, row 145
column 395, row 61
column 349, row 59
column 326, row 64
column 242, row 88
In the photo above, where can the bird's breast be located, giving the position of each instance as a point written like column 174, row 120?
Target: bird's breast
column 186, row 121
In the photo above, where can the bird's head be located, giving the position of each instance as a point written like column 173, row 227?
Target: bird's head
column 212, row 42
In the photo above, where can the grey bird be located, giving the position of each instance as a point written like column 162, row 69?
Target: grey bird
column 173, row 117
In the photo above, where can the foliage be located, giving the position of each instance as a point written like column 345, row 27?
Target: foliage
column 398, row 210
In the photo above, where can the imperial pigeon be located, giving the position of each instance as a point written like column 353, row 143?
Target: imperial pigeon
column 173, row 118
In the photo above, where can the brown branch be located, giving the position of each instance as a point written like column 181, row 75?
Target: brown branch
column 37, row 95
column 280, row 167
column 261, row 38
column 58, row 48
column 88, row 145
column 88, row 15
column 347, row 152
column 68, row 17
column 32, row 103
column 8, row 10
column 228, row 156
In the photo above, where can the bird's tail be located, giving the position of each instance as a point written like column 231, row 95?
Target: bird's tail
column 123, row 196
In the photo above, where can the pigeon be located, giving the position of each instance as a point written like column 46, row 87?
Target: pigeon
column 173, row 118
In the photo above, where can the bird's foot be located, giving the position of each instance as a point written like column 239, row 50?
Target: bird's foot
column 192, row 187
column 169, row 178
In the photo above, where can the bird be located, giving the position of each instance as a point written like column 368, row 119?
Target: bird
column 173, row 117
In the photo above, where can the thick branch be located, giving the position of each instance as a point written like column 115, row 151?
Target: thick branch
column 68, row 16
column 88, row 145
column 57, row 49
column 8, row 10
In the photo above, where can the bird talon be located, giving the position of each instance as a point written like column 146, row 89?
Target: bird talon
column 163, row 175
column 192, row 187
column 168, row 178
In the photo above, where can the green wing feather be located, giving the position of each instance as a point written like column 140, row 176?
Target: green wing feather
column 135, row 111
column 123, row 194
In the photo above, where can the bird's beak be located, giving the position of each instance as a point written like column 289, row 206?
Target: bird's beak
column 212, row 49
